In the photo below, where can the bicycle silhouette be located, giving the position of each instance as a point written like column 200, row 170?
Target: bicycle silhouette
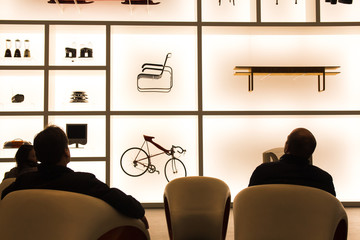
column 136, row 161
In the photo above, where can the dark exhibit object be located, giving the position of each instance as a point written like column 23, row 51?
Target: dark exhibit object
column 78, row 97
column 140, row 2
column 70, row 2
column 149, row 79
column 16, row 143
column 233, row 1
column 77, row 134
column 8, row 47
column 340, row 1
column 294, row 70
column 86, row 52
column 70, row 52
column 18, row 98
column 17, row 53
column 27, row 49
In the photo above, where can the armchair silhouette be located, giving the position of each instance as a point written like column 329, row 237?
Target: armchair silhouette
column 151, row 78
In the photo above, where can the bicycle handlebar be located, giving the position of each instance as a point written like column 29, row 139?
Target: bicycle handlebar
column 179, row 149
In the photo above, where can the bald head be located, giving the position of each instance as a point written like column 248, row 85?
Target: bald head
column 301, row 143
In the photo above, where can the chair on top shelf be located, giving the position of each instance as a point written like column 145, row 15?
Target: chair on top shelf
column 274, row 154
column 283, row 212
column 151, row 78
column 197, row 208
column 57, row 215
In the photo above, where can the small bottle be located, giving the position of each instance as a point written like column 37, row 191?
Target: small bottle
column 17, row 53
column 27, row 49
column 8, row 48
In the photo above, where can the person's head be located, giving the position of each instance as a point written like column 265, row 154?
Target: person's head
column 25, row 156
column 301, row 143
column 51, row 146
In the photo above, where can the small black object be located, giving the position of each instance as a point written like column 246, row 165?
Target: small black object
column 27, row 50
column 7, row 53
column 8, row 46
column 70, row 2
column 18, row 98
column 78, row 97
column 70, row 52
column 17, row 53
column 140, row 2
column 77, row 133
column 86, row 52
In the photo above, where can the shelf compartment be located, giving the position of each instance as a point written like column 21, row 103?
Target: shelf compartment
column 233, row 147
column 29, row 83
column 223, row 48
column 62, row 85
column 96, row 130
column 77, row 37
column 241, row 11
column 23, row 127
column 133, row 46
column 128, row 131
column 288, row 11
column 34, row 33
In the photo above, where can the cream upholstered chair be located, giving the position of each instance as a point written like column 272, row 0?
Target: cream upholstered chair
column 197, row 208
column 274, row 154
column 5, row 183
column 283, row 212
column 58, row 215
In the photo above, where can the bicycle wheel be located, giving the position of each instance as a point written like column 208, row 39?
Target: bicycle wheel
column 174, row 168
column 135, row 162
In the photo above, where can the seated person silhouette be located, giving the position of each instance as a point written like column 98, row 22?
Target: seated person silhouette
column 294, row 166
column 25, row 162
column 51, row 149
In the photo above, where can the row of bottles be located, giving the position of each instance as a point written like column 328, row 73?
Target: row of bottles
column 17, row 52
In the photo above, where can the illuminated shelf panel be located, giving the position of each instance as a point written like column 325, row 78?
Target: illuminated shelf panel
column 65, row 85
column 234, row 146
column 18, row 127
column 17, row 91
column 96, row 129
column 86, row 45
column 12, row 32
column 224, row 48
column 132, row 46
column 127, row 131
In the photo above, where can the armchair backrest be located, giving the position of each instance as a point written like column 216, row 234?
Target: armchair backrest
column 282, row 212
column 58, row 215
column 197, row 208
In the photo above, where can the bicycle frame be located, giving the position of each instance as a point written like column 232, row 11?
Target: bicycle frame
column 149, row 139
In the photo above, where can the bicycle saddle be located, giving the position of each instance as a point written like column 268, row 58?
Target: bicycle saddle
column 148, row 138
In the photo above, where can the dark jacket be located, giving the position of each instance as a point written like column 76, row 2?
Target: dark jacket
column 292, row 170
column 63, row 178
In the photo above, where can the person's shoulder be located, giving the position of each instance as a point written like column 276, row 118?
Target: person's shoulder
column 269, row 164
column 83, row 174
column 321, row 171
